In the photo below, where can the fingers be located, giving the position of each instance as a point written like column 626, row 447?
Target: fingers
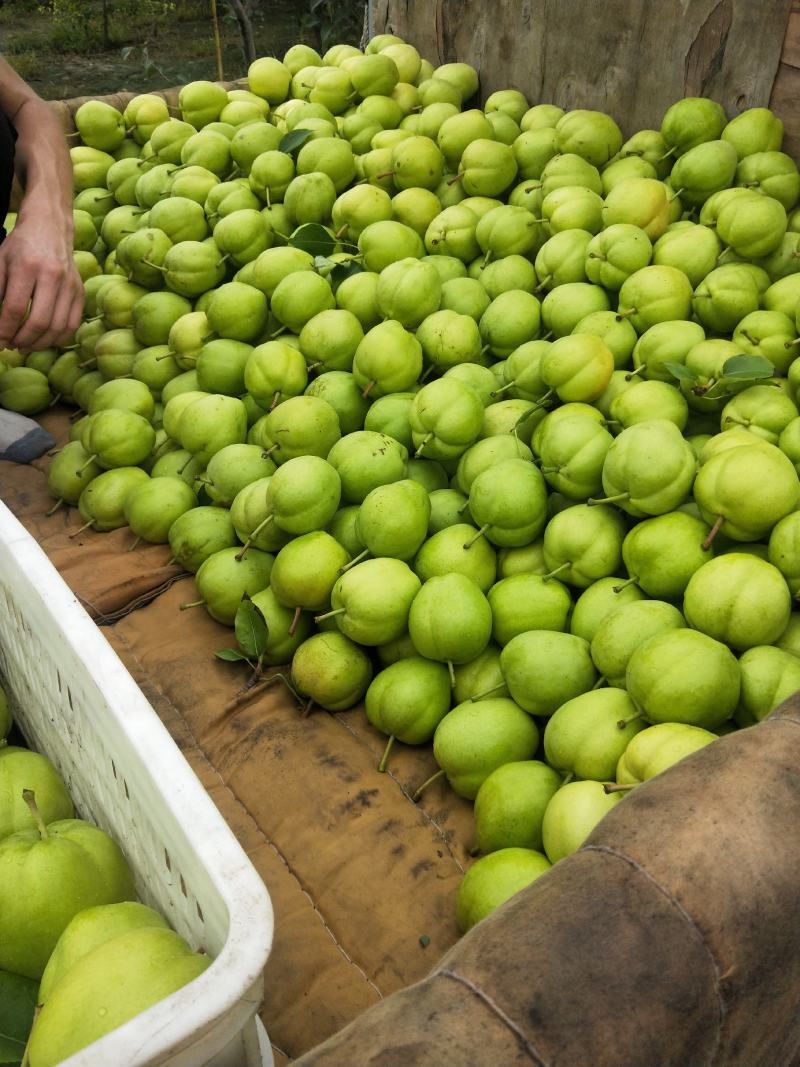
column 16, row 296
column 66, row 316
column 43, row 305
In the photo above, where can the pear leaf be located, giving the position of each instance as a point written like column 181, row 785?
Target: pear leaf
column 290, row 142
column 747, row 368
column 17, row 1005
column 314, row 239
column 251, row 629
column 231, row 655
column 345, row 270
column 677, row 370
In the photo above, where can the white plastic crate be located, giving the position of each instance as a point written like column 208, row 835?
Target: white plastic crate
column 76, row 703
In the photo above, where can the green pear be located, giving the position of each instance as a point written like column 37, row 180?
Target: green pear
column 447, row 509
column 208, row 424
column 784, row 545
column 340, row 390
column 199, row 533
column 578, row 367
column 223, row 579
column 636, row 475
column 626, row 168
column 458, row 132
column 371, row 601
column 573, row 452
column 479, row 675
column 193, row 268
column 527, row 602
column 487, row 167
column 407, row 701
column 70, row 471
column 617, row 334
column 590, row 134
column 620, row 634
column 358, row 294
column 725, row 296
column 22, row 769
column 756, row 129
column 102, row 502
column 153, row 506
column 752, row 226
column 387, row 360
column 584, row 543
column 571, row 816
column 665, row 342
column 358, row 207
column 655, row 294
column 300, row 426
column 598, row 601
column 561, row 259
column 273, row 372
column 743, row 492
column 533, row 150
column 306, row 570
column 393, row 519
column 769, row 676
column 331, row 671
column 494, row 879
column 303, row 494
column 456, row 550
column 450, row 619
column 648, row 400
column 510, row 806
column 446, row 418
column 763, row 410
column 513, row 271
column 569, row 168
column 508, row 501
column 408, row 291
column 587, row 735
column 772, row 173
column 568, row 303
column 738, row 599
column 476, row 738
column 661, row 554
column 689, row 247
column 366, row 460
column 659, row 747
column 703, row 170
column 572, row 207
column 510, row 320
column 684, row 676
column 453, row 233
column 545, row 668
column 387, row 241
column 770, row 334
column 448, row 338
column 87, row 866
column 526, row 560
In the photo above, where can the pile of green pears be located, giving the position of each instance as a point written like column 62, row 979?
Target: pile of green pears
column 484, row 415
column 79, row 955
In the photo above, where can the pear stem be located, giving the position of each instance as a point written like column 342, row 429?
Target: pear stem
column 601, row 681
column 558, row 570
column 192, row 604
column 594, row 501
column 135, row 544
column 626, row 314
column 625, row 584
column 54, row 508
column 615, row 787
column 330, row 614
column 253, row 535
column 567, row 778
column 622, row 723
column 433, row 778
column 368, row 389
column 307, row 708
column 488, row 692
column 298, row 611
column 476, row 535
column 712, row 533
column 385, row 756
column 87, row 464
column 85, row 526
column 425, row 440
column 354, row 560
column 503, row 388
column 452, row 673
column 275, row 399
column 29, row 797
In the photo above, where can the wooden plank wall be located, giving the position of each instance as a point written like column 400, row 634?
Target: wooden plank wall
column 631, row 58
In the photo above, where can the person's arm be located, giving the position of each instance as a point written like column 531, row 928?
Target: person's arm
column 36, row 263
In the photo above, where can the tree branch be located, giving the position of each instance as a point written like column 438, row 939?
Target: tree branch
column 246, row 30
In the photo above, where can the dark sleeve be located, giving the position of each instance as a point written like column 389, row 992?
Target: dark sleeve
column 8, row 136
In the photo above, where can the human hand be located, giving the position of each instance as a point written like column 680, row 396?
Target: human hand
column 37, row 269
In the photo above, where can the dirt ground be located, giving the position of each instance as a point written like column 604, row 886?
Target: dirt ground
column 152, row 46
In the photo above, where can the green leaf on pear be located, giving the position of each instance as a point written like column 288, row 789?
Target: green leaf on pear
column 231, row 655
column 677, row 370
column 314, row 239
column 17, row 1005
column 293, row 140
column 343, row 271
column 747, row 368
column 251, row 629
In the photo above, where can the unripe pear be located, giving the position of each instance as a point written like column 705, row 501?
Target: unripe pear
column 684, row 676
column 545, row 668
column 208, row 424
column 510, row 320
column 393, row 519
column 446, row 418
column 366, row 460
column 692, row 248
column 450, row 619
column 331, row 671
column 102, row 502
column 508, row 501
column 274, row 372
column 527, row 602
column 299, row 297
column 152, row 507
column 567, row 304
column 494, row 879
column 583, row 543
column 476, row 738
column 578, row 367
column 572, row 455
column 449, row 552
column 649, row 469
column 199, row 533
column 590, row 134
column 588, row 735
column 385, row 242
column 371, row 601
column 486, row 167
column 738, row 599
column 658, row 748
column 665, row 342
column 769, row 676
column 571, row 816
column 598, row 601
column 655, row 294
column 621, row 633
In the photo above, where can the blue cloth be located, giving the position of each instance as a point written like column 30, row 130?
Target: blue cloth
column 22, row 439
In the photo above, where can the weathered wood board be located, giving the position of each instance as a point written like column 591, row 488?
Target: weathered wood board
column 631, row 58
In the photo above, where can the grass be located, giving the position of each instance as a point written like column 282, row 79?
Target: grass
column 148, row 48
